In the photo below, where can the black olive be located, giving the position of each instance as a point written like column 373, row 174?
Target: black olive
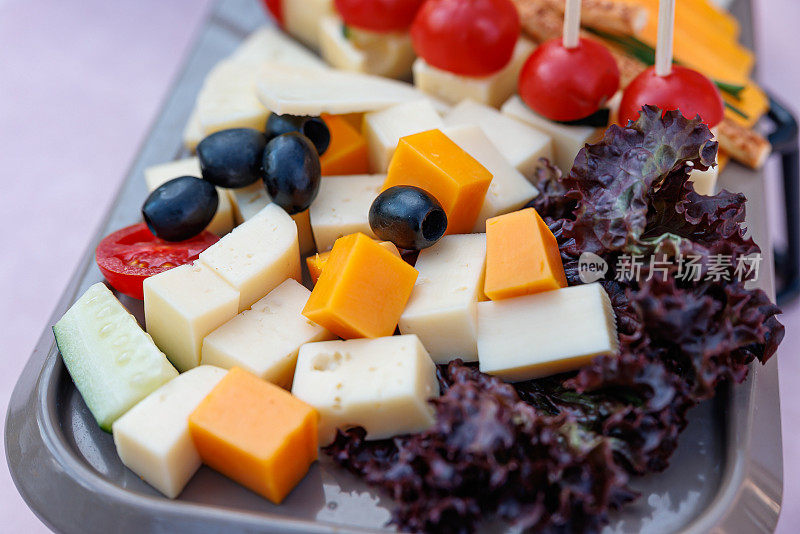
column 232, row 158
column 181, row 208
column 408, row 216
column 312, row 127
column 291, row 172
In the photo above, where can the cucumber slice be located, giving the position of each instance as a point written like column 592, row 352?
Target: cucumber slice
column 112, row 361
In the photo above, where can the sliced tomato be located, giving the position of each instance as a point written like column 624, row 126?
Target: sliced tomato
column 128, row 256
column 379, row 15
column 466, row 37
column 684, row 89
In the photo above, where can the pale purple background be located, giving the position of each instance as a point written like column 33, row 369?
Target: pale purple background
column 80, row 83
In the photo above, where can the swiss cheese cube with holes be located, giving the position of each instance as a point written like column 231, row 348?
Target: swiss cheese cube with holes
column 257, row 256
column 362, row 290
column 432, row 161
column 522, row 256
column 255, row 433
column 382, row 385
column 265, row 339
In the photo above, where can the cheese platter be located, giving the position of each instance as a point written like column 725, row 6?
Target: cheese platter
column 725, row 473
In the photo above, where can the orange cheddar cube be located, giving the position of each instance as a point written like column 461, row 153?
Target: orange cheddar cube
column 522, row 256
column 347, row 153
column 362, row 290
column 255, row 433
column 431, row 161
column 317, row 262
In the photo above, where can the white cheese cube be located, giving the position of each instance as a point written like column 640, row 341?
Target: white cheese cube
column 383, row 129
column 182, row 306
column 193, row 131
column 153, row 440
column 342, row 207
column 268, row 43
column 157, row 175
column 383, row 54
column 567, row 140
column 265, row 339
column 442, row 310
column 248, row 201
column 257, row 256
column 520, row 144
column 228, row 98
column 301, row 19
column 380, row 384
column 509, row 190
column 286, row 89
column 491, row 90
column 547, row 333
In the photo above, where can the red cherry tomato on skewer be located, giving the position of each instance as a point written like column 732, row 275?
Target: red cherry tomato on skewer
column 128, row 256
column 567, row 84
column 466, row 37
column 379, row 15
column 684, row 89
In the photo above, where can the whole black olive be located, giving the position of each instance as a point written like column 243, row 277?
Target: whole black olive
column 408, row 216
column 181, row 208
column 291, row 172
column 232, row 158
column 312, row 127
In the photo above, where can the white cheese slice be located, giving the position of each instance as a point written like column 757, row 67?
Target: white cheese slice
column 567, row 140
column 248, row 201
column 257, row 256
column 490, row 90
column 342, row 207
column 509, row 190
column 522, row 145
column 182, row 306
column 442, row 309
column 383, row 129
column 301, row 19
column 268, row 43
column 228, row 98
column 266, row 338
column 380, row 384
column 153, row 439
column 157, row 175
column 193, row 131
column 547, row 333
column 299, row 90
column 383, row 54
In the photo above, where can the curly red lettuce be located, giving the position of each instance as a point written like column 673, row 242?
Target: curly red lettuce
column 554, row 454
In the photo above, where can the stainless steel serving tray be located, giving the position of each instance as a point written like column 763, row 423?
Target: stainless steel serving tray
column 726, row 475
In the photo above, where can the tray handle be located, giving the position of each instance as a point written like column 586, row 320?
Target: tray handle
column 784, row 140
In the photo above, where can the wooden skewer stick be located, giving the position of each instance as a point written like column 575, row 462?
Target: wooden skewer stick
column 666, row 30
column 572, row 23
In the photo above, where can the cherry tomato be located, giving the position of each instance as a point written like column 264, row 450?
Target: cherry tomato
column 275, row 7
column 466, row 37
column 128, row 256
column 684, row 89
column 379, row 15
column 567, row 84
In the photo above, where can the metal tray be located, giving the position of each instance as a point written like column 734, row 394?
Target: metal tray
column 726, row 475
